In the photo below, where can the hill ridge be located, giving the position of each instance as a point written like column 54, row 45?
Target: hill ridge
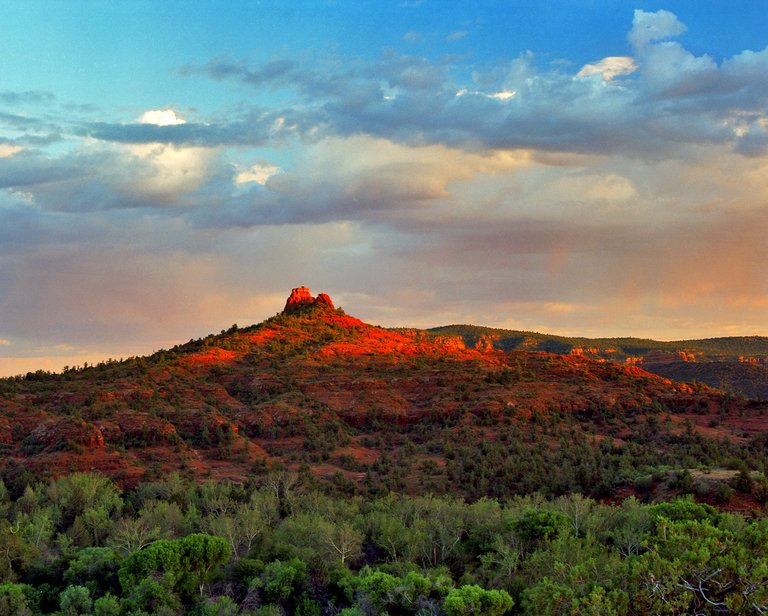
column 315, row 388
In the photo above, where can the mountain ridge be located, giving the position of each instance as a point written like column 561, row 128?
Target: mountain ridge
column 371, row 409
column 735, row 364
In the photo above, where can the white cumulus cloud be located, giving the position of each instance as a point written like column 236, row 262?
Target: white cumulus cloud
column 161, row 117
column 609, row 68
column 649, row 27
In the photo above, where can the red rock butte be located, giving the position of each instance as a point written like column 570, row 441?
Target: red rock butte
column 301, row 298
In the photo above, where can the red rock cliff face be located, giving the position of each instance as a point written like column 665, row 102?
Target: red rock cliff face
column 324, row 300
column 302, row 298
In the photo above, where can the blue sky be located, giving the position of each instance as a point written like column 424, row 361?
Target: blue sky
column 580, row 167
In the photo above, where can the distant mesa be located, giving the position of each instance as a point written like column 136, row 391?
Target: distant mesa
column 301, row 298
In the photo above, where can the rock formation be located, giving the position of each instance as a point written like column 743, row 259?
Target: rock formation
column 301, row 298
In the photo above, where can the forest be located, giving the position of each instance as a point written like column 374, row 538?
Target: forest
column 279, row 545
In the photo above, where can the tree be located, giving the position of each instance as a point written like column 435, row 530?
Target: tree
column 743, row 481
column 629, row 527
column 201, row 553
column 547, row 598
column 80, row 492
column 442, row 524
column 283, row 484
column 186, row 562
column 536, row 525
column 75, row 600
column 693, row 566
column 95, row 569
column 380, row 592
column 576, row 563
column 683, row 508
column 37, row 527
column 221, row 606
column 108, row 605
column 242, row 526
column 471, row 599
column 281, row 579
column 343, row 541
column 168, row 519
column 17, row 600
column 162, row 556
column 153, row 596
column 130, row 534
column 13, row 551
column 389, row 532
column 578, row 508
column 501, row 563
column 375, row 588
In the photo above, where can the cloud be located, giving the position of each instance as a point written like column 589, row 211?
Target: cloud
column 457, row 35
column 609, row 68
column 161, row 117
column 669, row 71
column 251, row 127
column 418, row 235
column 552, row 233
column 273, row 73
column 330, row 181
column 19, row 121
column 258, row 173
column 33, row 97
column 4, row 342
column 753, row 140
column 121, row 166
column 668, row 99
column 136, row 284
column 503, row 95
column 651, row 27
column 101, row 176
column 26, row 169
column 164, row 173
column 9, row 149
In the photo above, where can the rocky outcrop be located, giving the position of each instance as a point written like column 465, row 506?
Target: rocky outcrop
column 301, row 298
column 324, row 300
column 63, row 434
column 484, row 344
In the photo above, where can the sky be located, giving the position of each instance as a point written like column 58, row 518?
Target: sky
column 577, row 167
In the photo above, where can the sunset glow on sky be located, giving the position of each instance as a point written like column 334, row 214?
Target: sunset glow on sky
column 575, row 167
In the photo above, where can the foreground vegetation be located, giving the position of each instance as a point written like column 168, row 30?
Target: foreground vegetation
column 77, row 545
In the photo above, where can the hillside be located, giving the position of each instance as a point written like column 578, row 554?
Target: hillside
column 737, row 365
column 369, row 410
